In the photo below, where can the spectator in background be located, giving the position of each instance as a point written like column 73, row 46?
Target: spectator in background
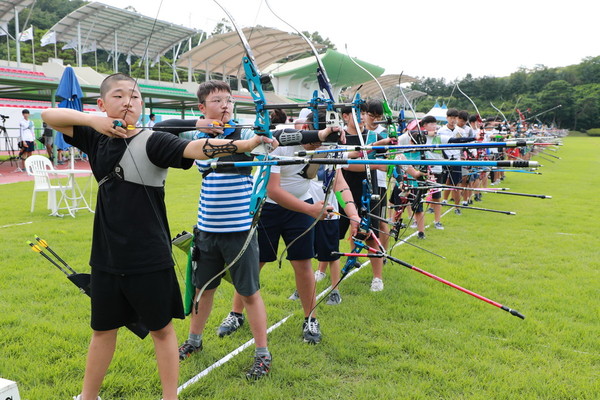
column 48, row 136
column 151, row 120
column 26, row 137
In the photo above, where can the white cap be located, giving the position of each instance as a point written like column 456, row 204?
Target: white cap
column 304, row 113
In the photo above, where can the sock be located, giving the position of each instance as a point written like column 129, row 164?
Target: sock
column 238, row 315
column 262, row 351
column 195, row 340
column 313, row 319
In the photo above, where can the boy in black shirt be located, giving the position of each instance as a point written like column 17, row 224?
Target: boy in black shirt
column 132, row 268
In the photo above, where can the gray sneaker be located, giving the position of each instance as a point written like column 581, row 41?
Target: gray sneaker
column 294, row 296
column 230, row 324
column 311, row 332
column 457, row 211
column 334, row 298
column 438, row 225
column 319, row 276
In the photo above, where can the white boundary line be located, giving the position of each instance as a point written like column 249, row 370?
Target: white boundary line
column 250, row 342
column 20, row 223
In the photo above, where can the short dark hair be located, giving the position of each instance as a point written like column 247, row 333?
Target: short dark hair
column 109, row 80
column 427, row 119
column 151, row 116
column 464, row 115
column 452, row 112
column 310, row 119
column 348, row 109
column 209, row 87
column 473, row 118
column 375, row 107
column 25, row 111
column 278, row 116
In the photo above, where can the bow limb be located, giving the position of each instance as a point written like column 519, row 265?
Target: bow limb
column 387, row 111
column 331, row 119
column 472, row 102
column 501, row 113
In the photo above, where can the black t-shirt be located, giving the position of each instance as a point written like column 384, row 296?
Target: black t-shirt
column 131, row 232
column 355, row 178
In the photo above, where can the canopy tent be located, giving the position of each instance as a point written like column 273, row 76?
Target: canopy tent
column 97, row 24
column 439, row 112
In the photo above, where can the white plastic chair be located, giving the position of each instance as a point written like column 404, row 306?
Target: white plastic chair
column 45, row 180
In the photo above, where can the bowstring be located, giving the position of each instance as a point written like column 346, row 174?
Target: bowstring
column 136, row 86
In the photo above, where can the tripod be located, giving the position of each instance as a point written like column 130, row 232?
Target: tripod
column 7, row 143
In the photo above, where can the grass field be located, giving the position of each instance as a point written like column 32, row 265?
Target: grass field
column 418, row 339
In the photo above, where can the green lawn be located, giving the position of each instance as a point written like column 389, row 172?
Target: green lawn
column 418, row 339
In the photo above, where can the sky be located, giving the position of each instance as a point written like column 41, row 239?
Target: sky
column 438, row 39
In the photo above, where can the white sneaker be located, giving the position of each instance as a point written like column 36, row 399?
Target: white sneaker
column 294, row 296
column 376, row 285
column 413, row 225
column 319, row 276
column 438, row 225
column 78, row 397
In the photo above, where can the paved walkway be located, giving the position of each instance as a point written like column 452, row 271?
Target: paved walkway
column 9, row 174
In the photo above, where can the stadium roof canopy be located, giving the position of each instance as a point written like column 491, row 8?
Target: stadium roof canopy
column 7, row 8
column 98, row 24
column 223, row 53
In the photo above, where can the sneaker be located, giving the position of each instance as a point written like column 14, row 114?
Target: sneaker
column 376, row 285
column 429, row 210
column 294, row 296
column 465, row 203
column 260, row 368
column 334, row 298
column 311, row 332
column 444, row 201
column 413, row 225
column 438, row 225
column 457, row 211
column 230, row 324
column 319, row 276
column 421, row 235
column 78, row 397
column 477, row 197
column 187, row 349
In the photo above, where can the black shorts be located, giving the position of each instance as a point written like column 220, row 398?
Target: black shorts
column 215, row 250
column 327, row 239
column 152, row 298
column 455, row 175
column 29, row 147
column 278, row 222
column 437, row 193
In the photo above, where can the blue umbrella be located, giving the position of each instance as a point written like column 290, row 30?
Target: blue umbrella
column 70, row 92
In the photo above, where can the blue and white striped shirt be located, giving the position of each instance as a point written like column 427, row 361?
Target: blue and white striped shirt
column 224, row 204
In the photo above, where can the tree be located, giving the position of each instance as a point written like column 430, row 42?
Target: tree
column 553, row 94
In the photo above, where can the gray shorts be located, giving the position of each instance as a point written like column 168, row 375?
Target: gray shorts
column 48, row 140
column 215, row 250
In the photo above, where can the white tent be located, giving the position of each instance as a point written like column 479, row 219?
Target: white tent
column 439, row 112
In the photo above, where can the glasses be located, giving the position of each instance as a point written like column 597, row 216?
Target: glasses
column 219, row 101
column 375, row 116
